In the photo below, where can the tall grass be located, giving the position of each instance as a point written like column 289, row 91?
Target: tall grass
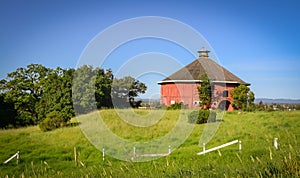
column 51, row 154
column 159, row 123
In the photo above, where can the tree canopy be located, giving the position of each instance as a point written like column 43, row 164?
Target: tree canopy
column 205, row 92
column 35, row 94
column 24, row 89
column 243, row 97
column 7, row 113
column 124, row 91
column 57, row 95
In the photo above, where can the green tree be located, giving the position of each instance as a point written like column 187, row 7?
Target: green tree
column 92, row 89
column 103, row 86
column 243, row 97
column 205, row 92
column 261, row 106
column 24, row 88
column 124, row 91
column 7, row 113
column 57, row 95
column 83, row 89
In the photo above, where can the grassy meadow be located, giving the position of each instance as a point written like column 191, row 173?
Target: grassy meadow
column 51, row 154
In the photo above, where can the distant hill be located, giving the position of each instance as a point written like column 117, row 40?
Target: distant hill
column 150, row 100
column 279, row 101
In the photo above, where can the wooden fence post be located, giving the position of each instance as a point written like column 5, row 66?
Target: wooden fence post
column 75, row 156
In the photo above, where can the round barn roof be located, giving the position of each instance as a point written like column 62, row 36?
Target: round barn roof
column 192, row 72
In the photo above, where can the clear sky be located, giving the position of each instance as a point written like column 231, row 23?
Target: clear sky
column 259, row 41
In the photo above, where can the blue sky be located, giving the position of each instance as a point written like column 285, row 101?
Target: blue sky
column 256, row 40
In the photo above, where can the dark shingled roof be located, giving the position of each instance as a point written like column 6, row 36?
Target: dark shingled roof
column 200, row 66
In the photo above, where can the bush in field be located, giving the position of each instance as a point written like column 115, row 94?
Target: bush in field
column 202, row 116
column 163, row 106
column 53, row 120
column 177, row 106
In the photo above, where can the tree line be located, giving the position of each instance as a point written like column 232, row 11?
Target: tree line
column 37, row 94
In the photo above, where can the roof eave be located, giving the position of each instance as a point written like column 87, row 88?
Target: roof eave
column 199, row 81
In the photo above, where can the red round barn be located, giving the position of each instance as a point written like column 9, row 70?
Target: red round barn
column 182, row 86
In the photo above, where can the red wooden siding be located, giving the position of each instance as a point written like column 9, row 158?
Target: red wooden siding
column 188, row 94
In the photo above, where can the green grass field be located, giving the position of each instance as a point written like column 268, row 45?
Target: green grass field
column 51, row 154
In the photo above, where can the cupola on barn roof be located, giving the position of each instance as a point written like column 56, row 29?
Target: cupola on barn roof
column 203, row 52
column 192, row 72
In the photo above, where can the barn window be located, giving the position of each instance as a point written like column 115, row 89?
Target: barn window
column 172, row 102
column 225, row 93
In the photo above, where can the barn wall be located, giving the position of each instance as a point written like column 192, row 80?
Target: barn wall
column 218, row 94
column 180, row 92
column 188, row 94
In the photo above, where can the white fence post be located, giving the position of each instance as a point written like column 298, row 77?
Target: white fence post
column 17, row 155
column 103, row 154
column 134, row 152
column 216, row 148
column 276, row 143
column 135, row 155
